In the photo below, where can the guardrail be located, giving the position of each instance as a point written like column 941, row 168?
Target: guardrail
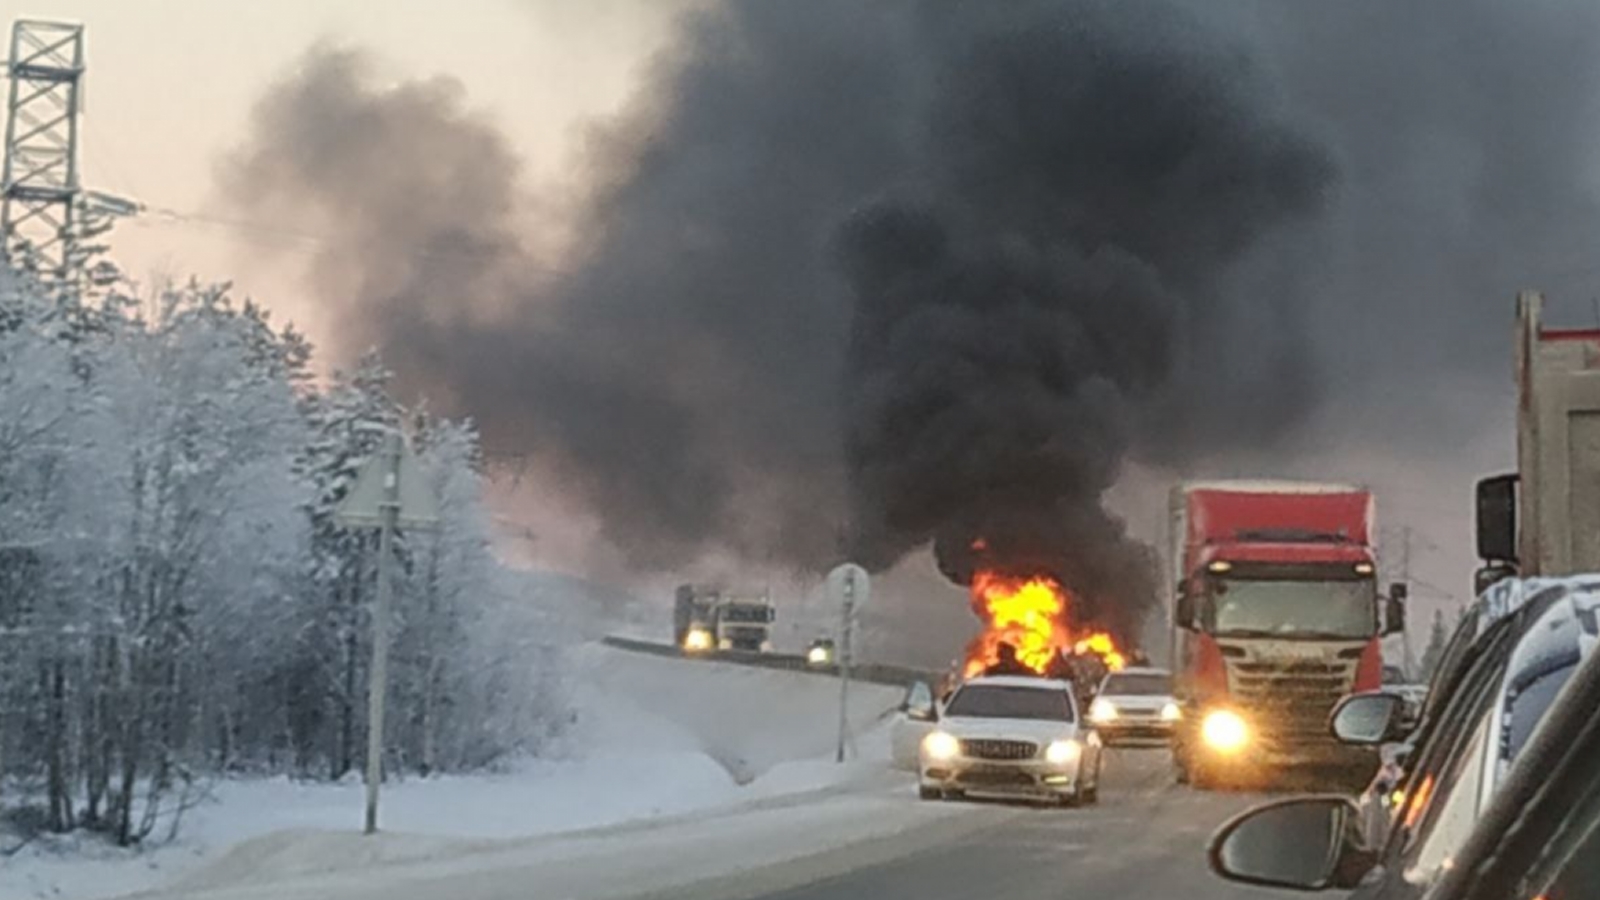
column 872, row 673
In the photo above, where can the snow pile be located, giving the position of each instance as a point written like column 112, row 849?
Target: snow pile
column 657, row 741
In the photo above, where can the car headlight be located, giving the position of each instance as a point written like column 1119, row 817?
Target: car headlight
column 1062, row 753
column 1224, row 731
column 1102, row 711
column 940, row 746
column 817, row 656
column 1171, row 712
column 697, row 639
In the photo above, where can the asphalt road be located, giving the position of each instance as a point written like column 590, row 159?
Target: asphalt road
column 1144, row 841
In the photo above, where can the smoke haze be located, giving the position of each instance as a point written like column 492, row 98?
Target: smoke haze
column 867, row 276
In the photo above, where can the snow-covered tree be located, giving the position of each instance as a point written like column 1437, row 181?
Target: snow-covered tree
column 177, row 597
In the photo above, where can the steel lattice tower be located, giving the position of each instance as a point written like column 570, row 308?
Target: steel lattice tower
column 40, row 189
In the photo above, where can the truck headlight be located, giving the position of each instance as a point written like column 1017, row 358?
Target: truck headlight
column 940, row 746
column 1102, row 711
column 1063, row 753
column 697, row 639
column 1224, row 731
column 1171, row 712
column 818, row 656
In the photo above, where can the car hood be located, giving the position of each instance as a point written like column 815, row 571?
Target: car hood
column 1010, row 729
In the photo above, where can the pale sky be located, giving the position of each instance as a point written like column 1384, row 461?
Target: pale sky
column 170, row 85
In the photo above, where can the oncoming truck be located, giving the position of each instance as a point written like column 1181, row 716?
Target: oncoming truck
column 1276, row 616
column 709, row 618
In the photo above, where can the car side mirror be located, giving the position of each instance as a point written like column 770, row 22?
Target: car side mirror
column 1368, row 719
column 1394, row 609
column 1308, row 843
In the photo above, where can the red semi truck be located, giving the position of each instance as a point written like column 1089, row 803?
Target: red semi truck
column 1275, row 617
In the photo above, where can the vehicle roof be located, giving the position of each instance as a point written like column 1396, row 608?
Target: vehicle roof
column 1025, row 681
column 1272, row 486
column 1510, row 594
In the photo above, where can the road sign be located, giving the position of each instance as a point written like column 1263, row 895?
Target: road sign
column 363, row 504
column 390, row 492
column 850, row 584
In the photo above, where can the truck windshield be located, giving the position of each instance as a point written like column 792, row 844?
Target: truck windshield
column 1288, row 608
column 746, row 612
column 993, row 701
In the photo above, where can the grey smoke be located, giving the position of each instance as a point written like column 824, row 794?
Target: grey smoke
column 864, row 276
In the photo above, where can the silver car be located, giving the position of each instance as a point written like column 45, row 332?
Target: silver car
column 1134, row 706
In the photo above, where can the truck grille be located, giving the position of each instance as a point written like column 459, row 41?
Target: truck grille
column 990, row 748
column 745, row 633
column 1291, row 701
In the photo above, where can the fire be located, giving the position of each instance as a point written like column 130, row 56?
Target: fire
column 1030, row 615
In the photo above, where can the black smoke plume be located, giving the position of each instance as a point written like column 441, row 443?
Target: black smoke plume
column 906, row 272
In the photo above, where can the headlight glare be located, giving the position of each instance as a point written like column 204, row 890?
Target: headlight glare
column 940, row 746
column 1224, row 731
column 1061, row 753
column 1171, row 712
column 1102, row 711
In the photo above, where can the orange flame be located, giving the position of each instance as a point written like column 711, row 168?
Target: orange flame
column 1030, row 615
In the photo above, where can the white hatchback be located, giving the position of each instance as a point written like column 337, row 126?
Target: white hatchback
column 1011, row 736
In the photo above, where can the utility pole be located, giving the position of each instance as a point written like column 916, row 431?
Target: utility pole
column 46, row 216
column 1405, row 577
column 41, row 187
column 378, row 680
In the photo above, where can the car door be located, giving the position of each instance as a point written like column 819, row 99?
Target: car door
column 918, row 715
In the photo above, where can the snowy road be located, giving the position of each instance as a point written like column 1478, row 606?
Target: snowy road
column 1145, row 840
column 866, row 837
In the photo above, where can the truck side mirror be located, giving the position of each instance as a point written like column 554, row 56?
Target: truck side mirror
column 1394, row 610
column 1497, row 519
column 1183, row 610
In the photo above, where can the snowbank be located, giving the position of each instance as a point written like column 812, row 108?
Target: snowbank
column 657, row 740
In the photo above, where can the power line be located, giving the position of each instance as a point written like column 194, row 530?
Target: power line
column 312, row 241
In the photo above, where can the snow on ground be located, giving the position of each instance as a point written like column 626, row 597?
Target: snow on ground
column 657, row 741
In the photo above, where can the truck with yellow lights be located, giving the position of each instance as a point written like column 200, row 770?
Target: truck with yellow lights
column 1276, row 615
column 708, row 618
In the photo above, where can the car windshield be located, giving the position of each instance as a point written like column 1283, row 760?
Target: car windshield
column 995, row 701
column 1138, row 684
column 1288, row 608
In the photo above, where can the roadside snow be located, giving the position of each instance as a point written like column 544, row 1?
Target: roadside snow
column 655, row 742
column 607, row 864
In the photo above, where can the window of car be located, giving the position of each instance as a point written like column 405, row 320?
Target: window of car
column 1529, row 698
column 995, row 701
column 1138, row 684
column 1453, row 809
column 1441, row 754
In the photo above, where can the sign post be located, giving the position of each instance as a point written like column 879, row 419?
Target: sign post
column 389, row 491
column 850, row 586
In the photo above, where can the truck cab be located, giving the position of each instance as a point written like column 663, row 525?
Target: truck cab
column 1277, row 615
column 707, row 618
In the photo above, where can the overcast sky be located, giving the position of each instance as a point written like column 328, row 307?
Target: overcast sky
column 171, row 83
